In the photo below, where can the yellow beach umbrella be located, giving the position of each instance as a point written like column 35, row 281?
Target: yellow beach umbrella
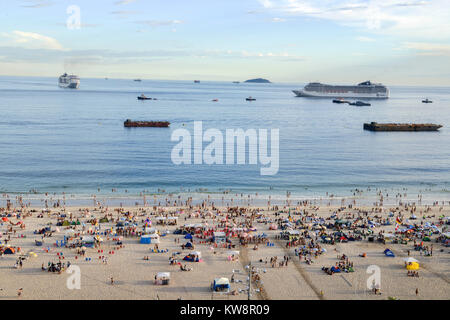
column 412, row 266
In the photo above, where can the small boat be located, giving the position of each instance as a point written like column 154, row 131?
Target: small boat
column 236, row 82
column 143, row 97
column 250, row 99
column 196, row 81
column 215, row 100
column 360, row 104
column 137, row 80
column 427, row 101
column 340, row 101
column 134, row 124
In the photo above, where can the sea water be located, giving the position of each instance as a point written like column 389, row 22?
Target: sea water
column 73, row 141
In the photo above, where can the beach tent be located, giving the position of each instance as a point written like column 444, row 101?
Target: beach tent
column 188, row 245
column 410, row 260
column 221, row 284
column 162, row 278
column 188, row 236
column 335, row 269
column 412, row 266
column 5, row 219
column 389, row 253
column 9, row 251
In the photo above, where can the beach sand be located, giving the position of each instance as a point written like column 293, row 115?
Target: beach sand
column 134, row 276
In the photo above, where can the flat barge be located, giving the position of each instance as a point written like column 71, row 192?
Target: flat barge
column 374, row 126
column 134, row 124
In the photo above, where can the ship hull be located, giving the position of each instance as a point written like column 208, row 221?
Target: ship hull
column 312, row 94
column 71, row 85
column 401, row 127
column 148, row 124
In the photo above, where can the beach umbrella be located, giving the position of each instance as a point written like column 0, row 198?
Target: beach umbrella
column 410, row 260
column 412, row 266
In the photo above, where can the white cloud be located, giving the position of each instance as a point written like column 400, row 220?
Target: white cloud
column 278, row 20
column 33, row 40
column 428, row 49
column 413, row 18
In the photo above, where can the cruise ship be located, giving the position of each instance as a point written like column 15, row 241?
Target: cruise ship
column 69, row 81
column 367, row 90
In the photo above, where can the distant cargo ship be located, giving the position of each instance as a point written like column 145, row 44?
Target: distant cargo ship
column 159, row 124
column 69, row 81
column 365, row 89
column 373, row 126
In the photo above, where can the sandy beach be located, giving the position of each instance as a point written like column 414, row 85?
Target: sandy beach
column 134, row 276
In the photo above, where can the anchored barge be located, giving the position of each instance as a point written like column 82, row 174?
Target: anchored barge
column 133, row 124
column 373, row 126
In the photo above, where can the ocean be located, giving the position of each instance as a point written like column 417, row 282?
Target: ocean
column 73, row 141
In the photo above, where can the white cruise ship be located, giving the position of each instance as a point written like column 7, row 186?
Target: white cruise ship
column 367, row 90
column 69, row 81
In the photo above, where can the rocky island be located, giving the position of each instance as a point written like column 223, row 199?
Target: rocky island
column 258, row 80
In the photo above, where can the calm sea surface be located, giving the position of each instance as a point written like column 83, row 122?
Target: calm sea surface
column 73, row 141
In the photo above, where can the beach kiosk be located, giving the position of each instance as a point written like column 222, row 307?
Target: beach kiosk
column 219, row 237
column 194, row 256
column 162, row 278
column 293, row 234
column 149, row 239
column 172, row 221
column 87, row 241
column 221, row 285
column 160, row 220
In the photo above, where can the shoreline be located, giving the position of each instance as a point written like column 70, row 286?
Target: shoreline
column 369, row 196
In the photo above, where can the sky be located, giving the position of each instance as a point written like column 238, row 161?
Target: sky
column 396, row 42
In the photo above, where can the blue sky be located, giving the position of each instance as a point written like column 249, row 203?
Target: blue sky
column 391, row 41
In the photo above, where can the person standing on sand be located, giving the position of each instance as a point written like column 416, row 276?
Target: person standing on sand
column 19, row 292
column 417, row 291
